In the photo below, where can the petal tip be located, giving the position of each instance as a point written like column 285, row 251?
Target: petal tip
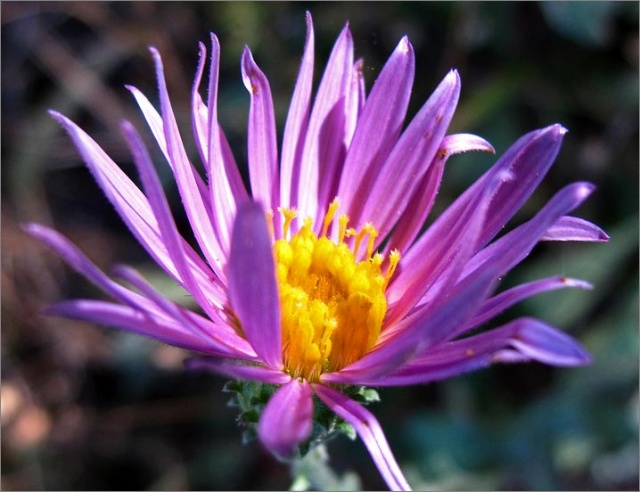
column 576, row 283
column 405, row 45
column 60, row 118
column 557, row 130
column 155, row 54
column 585, row 189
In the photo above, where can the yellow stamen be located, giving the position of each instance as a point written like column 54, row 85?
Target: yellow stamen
column 289, row 214
column 394, row 259
column 342, row 229
column 332, row 304
column 328, row 218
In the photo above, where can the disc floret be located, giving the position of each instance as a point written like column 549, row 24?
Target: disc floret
column 332, row 301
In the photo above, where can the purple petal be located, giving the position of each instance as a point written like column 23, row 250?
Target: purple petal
column 262, row 147
column 506, row 252
column 431, row 267
column 324, row 143
column 355, row 99
column 154, row 120
column 419, row 204
column 295, row 129
column 514, row 246
column 521, row 340
column 141, row 322
column 133, row 207
column 236, row 370
column 574, row 229
column 287, row 419
column 253, row 289
column 369, row 431
column 528, row 167
column 226, row 186
column 197, row 212
column 199, row 120
column 527, row 161
column 417, row 209
column 545, row 344
column 499, row 303
column 408, row 162
column 85, row 267
column 378, row 128
column 216, row 328
column 460, row 143
column 210, row 335
column 166, row 224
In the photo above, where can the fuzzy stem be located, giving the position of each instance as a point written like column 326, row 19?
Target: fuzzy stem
column 312, row 472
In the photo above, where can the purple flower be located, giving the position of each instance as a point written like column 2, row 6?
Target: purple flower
column 318, row 279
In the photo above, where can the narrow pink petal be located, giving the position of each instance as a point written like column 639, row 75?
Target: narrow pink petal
column 362, row 89
column 287, row 419
column 140, row 322
column 262, row 147
column 154, row 120
column 85, row 267
column 80, row 263
column 369, row 431
column 354, row 103
column 237, row 370
column 295, row 128
column 195, row 207
column 574, row 229
column 460, row 143
column 419, row 205
column 521, row 340
column 211, row 335
column 133, row 207
column 389, row 188
column 435, row 268
column 513, row 247
column 199, row 120
column 409, row 160
column 528, row 160
column 518, row 172
column 220, row 158
column 160, row 208
column 501, row 302
column 253, row 290
column 330, row 177
column 378, row 129
column 510, row 249
column 217, row 330
column 226, row 186
column 324, row 143
column 543, row 343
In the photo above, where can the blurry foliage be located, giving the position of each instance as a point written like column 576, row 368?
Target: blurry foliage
column 89, row 408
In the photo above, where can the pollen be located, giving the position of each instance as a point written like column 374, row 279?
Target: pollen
column 332, row 294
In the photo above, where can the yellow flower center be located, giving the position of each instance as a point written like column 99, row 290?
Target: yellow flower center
column 332, row 304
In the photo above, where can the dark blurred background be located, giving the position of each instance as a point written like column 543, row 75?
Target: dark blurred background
column 85, row 407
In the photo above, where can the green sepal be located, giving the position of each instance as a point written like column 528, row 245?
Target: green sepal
column 250, row 397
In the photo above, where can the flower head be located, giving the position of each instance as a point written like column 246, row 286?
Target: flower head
column 317, row 280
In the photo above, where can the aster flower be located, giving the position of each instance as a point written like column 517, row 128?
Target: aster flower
column 318, row 280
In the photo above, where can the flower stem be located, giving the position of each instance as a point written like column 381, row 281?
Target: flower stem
column 312, row 472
